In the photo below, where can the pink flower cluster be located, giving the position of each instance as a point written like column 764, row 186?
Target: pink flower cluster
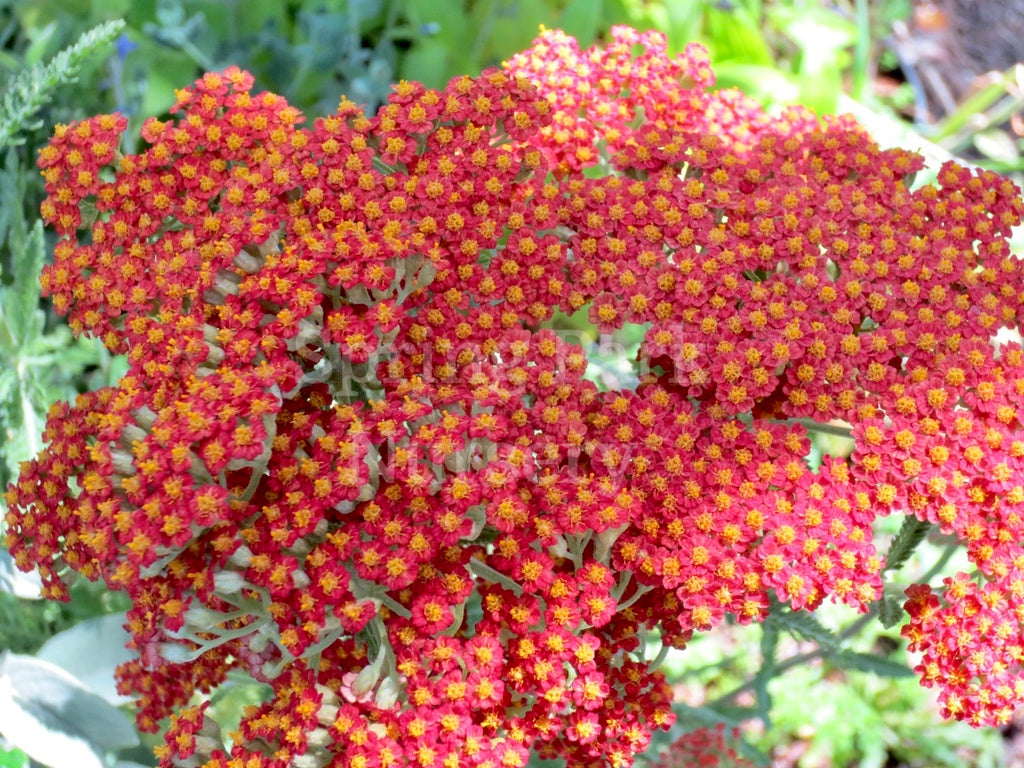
column 354, row 457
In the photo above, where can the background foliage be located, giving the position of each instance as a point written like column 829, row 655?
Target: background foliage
column 810, row 691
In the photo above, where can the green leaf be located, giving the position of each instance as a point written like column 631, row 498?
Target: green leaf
column 106, row 639
column 911, row 533
column 8, row 387
column 823, row 37
column 54, row 719
column 805, row 625
column 254, row 15
column 26, row 586
column 866, row 662
column 13, row 229
column 447, row 29
column 890, row 612
column 682, row 24
column 769, row 648
column 13, row 758
column 820, row 89
column 451, row 28
column 21, row 301
column 427, row 62
column 111, row 9
column 169, row 70
column 32, row 88
column 229, row 700
column 507, row 26
column 765, row 84
column 995, row 144
column 22, row 425
column 582, row 20
column 692, row 718
column 734, row 34
column 863, row 66
column 369, row 14
column 184, row 34
column 955, row 128
column 37, row 49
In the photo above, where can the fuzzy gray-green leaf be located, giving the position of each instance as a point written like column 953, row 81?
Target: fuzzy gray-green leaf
column 29, row 90
column 21, row 300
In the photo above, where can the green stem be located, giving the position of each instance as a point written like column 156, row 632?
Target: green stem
column 641, row 590
column 813, row 426
column 484, row 571
column 660, row 658
column 862, row 50
column 911, row 534
column 483, row 33
column 30, row 426
column 577, row 543
column 393, row 605
column 956, row 128
column 207, row 644
column 940, row 564
column 793, row 661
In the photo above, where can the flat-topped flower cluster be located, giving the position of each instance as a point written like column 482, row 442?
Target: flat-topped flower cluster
column 354, row 457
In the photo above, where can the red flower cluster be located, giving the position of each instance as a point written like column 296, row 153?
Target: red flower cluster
column 354, row 457
column 973, row 639
column 707, row 748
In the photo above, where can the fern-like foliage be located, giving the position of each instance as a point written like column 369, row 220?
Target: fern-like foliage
column 890, row 611
column 805, row 626
column 31, row 88
column 911, row 533
column 869, row 662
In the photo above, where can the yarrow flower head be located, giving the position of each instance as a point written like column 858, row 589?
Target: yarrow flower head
column 354, row 456
column 709, row 746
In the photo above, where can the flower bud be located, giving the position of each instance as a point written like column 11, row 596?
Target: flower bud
column 387, row 693
column 175, row 653
column 241, row 557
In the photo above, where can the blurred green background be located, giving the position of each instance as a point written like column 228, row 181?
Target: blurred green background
column 850, row 700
